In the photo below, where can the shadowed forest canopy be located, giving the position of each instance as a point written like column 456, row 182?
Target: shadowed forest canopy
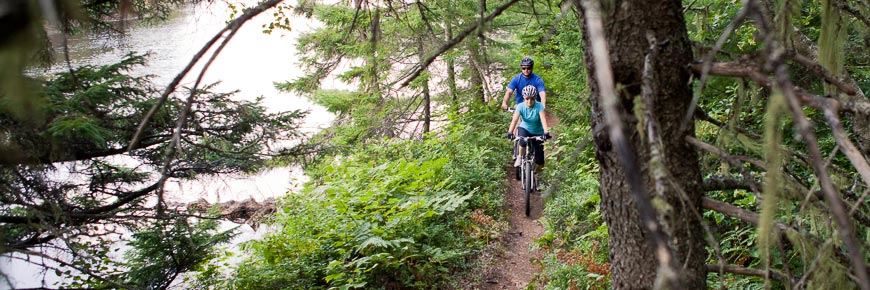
column 702, row 144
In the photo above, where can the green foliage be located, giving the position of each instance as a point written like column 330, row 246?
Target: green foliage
column 336, row 102
column 575, row 244
column 576, row 241
column 157, row 255
column 168, row 249
column 395, row 213
column 24, row 40
column 788, row 175
column 71, row 173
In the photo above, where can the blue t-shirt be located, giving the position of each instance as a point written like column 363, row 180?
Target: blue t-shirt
column 519, row 82
column 531, row 118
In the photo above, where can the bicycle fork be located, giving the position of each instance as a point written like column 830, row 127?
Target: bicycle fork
column 531, row 165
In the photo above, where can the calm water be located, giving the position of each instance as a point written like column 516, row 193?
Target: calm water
column 251, row 62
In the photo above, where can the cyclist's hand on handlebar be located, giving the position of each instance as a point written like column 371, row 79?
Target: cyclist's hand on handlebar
column 504, row 106
column 510, row 136
column 548, row 136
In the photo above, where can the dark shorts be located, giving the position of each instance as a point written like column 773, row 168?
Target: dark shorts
column 538, row 146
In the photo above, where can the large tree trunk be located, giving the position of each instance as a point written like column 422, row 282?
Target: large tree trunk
column 633, row 260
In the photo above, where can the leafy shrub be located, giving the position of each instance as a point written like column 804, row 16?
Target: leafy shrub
column 395, row 214
column 575, row 241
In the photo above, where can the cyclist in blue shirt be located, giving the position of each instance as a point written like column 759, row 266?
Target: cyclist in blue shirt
column 534, row 123
column 521, row 80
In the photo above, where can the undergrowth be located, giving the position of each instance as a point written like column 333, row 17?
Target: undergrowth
column 575, row 247
column 404, row 214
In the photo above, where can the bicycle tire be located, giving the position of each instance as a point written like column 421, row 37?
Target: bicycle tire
column 517, row 169
column 527, row 185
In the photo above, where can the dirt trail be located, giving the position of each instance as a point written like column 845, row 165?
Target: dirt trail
column 513, row 268
column 516, row 266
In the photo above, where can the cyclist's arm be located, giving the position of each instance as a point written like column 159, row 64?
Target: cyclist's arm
column 543, row 98
column 514, row 122
column 542, row 90
column 543, row 115
column 507, row 94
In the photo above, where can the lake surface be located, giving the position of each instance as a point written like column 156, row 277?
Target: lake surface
column 252, row 62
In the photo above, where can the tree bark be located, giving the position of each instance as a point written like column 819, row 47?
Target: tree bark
column 633, row 261
column 475, row 72
column 374, row 38
column 427, row 114
column 451, row 65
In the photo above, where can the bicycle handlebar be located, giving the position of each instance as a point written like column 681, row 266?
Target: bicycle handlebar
column 539, row 138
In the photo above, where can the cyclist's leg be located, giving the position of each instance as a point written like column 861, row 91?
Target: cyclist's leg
column 522, row 132
column 538, row 146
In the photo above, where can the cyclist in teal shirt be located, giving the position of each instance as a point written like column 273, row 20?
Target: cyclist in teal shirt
column 534, row 123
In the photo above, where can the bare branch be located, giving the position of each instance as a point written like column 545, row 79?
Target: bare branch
column 775, row 55
column 734, row 269
column 845, row 144
column 752, row 218
column 722, row 182
column 853, row 11
column 418, row 69
column 737, row 212
column 77, row 268
column 819, row 70
column 731, row 160
column 746, row 70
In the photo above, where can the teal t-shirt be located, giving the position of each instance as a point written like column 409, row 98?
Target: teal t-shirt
column 531, row 118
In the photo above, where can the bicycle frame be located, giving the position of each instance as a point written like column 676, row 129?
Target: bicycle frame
column 529, row 157
column 528, row 180
column 526, row 172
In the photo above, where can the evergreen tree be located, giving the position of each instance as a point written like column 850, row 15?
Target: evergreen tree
column 86, row 152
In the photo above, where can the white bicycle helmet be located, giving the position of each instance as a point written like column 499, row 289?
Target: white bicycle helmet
column 530, row 91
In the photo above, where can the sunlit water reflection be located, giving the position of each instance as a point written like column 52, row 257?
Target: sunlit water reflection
column 251, row 62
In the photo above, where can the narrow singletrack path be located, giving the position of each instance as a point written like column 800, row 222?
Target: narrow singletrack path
column 513, row 267
column 517, row 265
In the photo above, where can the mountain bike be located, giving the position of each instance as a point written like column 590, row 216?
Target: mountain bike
column 526, row 171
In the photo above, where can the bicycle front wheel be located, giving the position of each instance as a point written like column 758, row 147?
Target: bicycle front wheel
column 528, row 185
column 519, row 170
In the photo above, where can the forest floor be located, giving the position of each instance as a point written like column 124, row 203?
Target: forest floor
column 513, row 264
